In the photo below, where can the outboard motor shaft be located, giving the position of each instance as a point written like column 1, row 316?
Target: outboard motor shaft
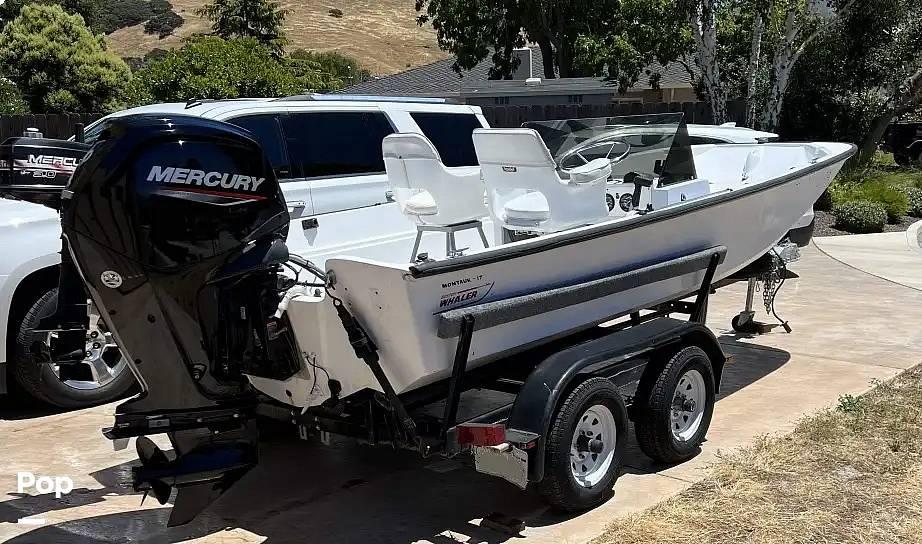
column 177, row 226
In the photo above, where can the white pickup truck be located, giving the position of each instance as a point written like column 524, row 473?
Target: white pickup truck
column 326, row 151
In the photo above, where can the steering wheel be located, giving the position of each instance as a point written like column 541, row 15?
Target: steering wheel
column 603, row 142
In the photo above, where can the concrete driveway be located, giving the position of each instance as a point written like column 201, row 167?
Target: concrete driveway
column 850, row 329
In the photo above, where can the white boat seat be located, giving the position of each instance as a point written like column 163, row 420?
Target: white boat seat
column 421, row 203
column 528, row 209
column 525, row 189
column 437, row 198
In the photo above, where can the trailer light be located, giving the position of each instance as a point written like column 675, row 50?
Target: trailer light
column 481, row 434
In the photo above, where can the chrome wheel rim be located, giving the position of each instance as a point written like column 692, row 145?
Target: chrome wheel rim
column 592, row 448
column 104, row 362
column 688, row 406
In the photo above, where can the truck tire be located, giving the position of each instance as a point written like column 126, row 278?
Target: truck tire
column 585, row 447
column 111, row 380
column 672, row 411
column 915, row 156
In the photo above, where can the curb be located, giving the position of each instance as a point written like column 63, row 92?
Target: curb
column 873, row 275
column 912, row 237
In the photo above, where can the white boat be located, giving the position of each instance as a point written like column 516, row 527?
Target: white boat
column 186, row 275
column 743, row 197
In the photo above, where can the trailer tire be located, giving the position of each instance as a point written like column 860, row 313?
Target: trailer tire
column 668, row 433
column 593, row 404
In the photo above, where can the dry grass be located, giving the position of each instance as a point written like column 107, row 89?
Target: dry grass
column 853, row 474
column 380, row 34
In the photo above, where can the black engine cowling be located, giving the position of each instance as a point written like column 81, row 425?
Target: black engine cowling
column 37, row 169
column 177, row 225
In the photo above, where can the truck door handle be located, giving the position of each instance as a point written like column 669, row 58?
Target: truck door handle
column 310, row 223
column 389, row 196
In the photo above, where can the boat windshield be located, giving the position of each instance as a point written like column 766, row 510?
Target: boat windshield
column 655, row 145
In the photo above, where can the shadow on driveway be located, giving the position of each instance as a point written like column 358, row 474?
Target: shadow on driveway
column 345, row 493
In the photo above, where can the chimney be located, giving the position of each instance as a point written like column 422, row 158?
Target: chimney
column 524, row 70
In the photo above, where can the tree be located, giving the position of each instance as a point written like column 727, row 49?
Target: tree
column 212, row 67
column 87, row 9
column 11, row 101
column 334, row 65
column 259, row 19
column 779, row 31
column 614, row 38
column 894, row 66
column 860, row 74
column 59, row 64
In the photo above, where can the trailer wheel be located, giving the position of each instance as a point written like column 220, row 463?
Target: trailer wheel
column 673, row 412
column 585, row 447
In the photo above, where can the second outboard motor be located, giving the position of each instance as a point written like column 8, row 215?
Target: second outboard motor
column 177, row 226
column 36, row 169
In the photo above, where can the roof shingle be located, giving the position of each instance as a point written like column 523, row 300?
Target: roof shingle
column 438, row 79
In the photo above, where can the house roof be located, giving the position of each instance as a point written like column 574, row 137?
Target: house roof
column 440, row 80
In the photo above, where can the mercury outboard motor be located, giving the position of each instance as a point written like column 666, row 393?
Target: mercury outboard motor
column 177, row 226
column 36, row 169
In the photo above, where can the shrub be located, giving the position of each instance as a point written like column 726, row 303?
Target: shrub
column 891, row 197
column 11, row 100
column 860, row 216
column 211, row 67
column 163, row 24
column 337, row 68
column 914, row 196
column 336, row 12
column 59, row 64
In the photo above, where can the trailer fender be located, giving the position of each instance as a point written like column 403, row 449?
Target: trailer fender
column 622, row 357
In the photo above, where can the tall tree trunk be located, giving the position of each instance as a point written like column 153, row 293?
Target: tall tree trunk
column 564, row 59
column 704, row 31
column 878, row 127
column 787, row 53
column 904, row 98
column 755, row 56
column 547, row 57
column 782, row 65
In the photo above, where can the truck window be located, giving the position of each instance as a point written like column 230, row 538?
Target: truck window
column 450, row 133
column 266, row 130
column 336, row 143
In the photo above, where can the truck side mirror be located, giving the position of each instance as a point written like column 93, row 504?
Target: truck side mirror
column 79, row 135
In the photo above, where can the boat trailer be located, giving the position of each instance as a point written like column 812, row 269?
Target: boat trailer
column 638, row 369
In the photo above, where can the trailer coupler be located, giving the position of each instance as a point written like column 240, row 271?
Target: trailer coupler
column 206, row 464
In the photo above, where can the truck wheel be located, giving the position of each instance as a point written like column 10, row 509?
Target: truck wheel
column 673, row 410
column 103, row 376
column 585, row 447
column 916, row 157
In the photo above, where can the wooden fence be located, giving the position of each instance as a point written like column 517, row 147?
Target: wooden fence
column 51, row 125
column 695, row 112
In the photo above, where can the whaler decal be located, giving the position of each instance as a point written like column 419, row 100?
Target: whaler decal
column 186, row 176
column 467, row 297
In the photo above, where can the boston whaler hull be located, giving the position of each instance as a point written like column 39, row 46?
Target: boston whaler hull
column 190, row 283
column 399, row 305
